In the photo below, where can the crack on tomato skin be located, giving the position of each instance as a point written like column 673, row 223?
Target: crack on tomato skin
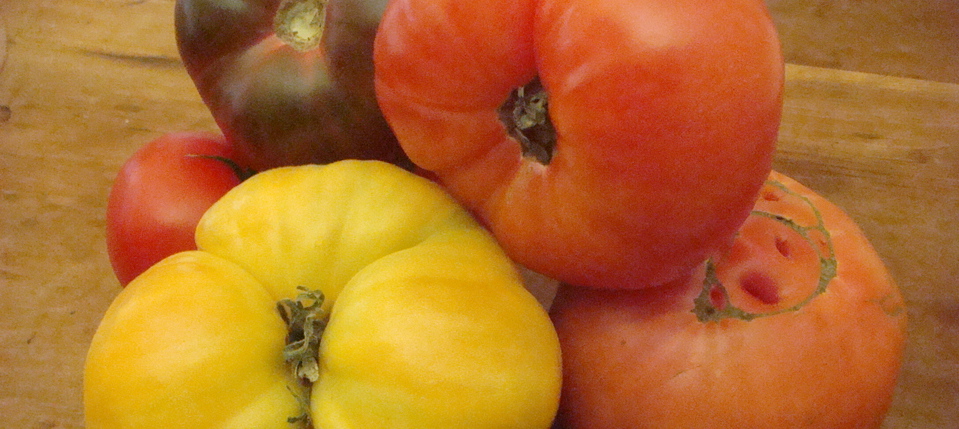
column 704, row 307
column 525, row 114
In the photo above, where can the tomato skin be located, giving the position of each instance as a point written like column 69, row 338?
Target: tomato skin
column 282, row 105
column 650, row 100
column 158, row 197
column 638, row 359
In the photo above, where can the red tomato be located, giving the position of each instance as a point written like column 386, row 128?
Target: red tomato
column 797, row 324
column 611, row 143
column 288, row 81
column 159, row 196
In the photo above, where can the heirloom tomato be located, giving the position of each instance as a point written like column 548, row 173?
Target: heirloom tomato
column 288, row 81
column 350, row 295
column 159, row 195
column 797, row 324
column 609, row 143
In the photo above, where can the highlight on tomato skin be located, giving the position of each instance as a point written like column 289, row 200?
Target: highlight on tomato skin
column 797, row 324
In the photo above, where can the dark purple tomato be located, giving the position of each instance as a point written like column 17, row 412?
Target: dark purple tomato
column 288, row 81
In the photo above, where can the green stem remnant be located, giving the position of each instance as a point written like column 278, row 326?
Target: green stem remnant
column 712, row 304
column 305, row 320
column 525, row 113
column 303, row 420
column 241, row 173
column 300, row 23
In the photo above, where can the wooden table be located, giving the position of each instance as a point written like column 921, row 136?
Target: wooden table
column 87, row 82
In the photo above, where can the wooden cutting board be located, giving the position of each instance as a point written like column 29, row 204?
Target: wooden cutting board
column 87, row 82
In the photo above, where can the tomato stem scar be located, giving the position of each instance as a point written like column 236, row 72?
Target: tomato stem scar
column 300, row 23
column 305, row 319
column 525, row 114
column 712, row 304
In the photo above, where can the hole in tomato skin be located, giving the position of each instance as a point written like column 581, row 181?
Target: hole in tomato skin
column 717, row 298
column 820, row 242
column 760, row 286
column 783, row 247
column 525, row 114
column 770, row 194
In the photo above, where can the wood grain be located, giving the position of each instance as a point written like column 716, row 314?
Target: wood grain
column 905, row 38
column 87, row 82
column 887, row 151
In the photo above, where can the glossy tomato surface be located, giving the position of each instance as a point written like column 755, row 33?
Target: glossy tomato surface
column 797, row 324
column 288, row 81
column 608, row 143
column 159, row 195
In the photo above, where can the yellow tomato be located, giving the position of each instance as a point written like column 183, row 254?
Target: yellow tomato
column 427, row 322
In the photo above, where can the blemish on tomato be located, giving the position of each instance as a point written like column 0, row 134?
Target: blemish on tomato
column 821, row 242
column 783, row 247
column 891, row 304
column 769, row 194
column 717, row 298
column 760, row 286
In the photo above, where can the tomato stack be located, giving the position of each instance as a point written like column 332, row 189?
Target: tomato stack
column 631, row 161
column 621, row 147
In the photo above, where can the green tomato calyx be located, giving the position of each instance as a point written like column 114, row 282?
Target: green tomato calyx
column 305, row 319
column 713, row 303
column 300, row 23
column 525, row 114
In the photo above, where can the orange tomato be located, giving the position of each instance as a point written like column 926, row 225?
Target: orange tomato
column 797, row 324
